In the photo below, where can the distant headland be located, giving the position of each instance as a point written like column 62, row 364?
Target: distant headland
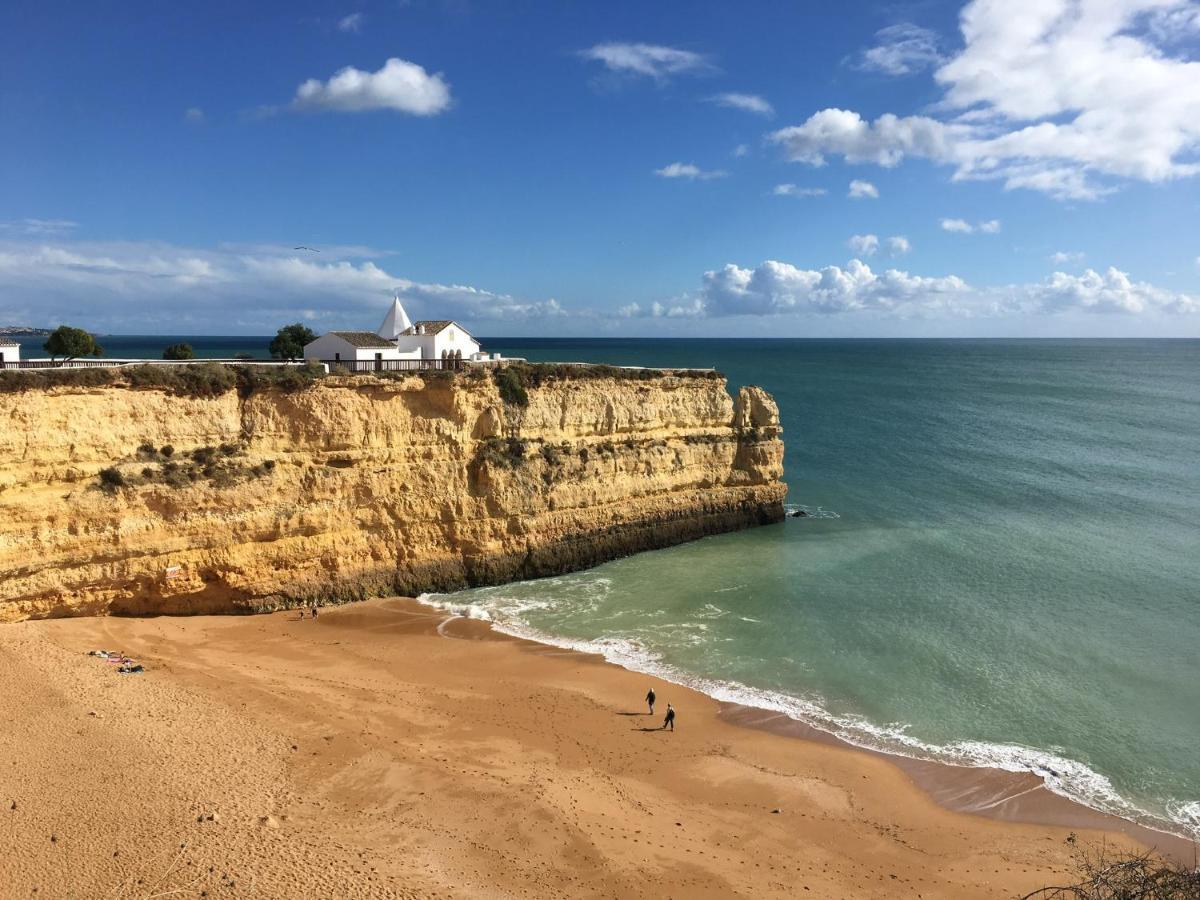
column 24, row 329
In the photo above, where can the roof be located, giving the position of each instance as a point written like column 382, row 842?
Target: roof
column 8, row 342
column 365, row 339
column 436, row 326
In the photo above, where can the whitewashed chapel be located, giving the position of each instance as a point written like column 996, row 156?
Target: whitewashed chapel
column 396, row 339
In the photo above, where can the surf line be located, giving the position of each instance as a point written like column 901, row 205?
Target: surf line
column 446, row 621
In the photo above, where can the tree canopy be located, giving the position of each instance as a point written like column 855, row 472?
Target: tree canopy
column 71, row 342
column 290, row 340
column 179, row 351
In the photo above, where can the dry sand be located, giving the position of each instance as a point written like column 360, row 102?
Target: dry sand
column 382, row 751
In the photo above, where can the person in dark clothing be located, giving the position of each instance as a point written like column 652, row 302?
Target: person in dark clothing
column 314, row 610
column 650, row 700
column 670, row 719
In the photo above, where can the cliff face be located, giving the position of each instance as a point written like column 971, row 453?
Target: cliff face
column 360, row 486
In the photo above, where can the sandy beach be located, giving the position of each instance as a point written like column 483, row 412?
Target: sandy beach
column 386, row 751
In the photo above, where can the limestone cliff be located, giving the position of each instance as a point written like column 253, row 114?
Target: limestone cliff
column 121, row 500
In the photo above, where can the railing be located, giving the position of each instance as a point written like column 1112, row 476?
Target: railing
column 110, row 363
column 366, row 366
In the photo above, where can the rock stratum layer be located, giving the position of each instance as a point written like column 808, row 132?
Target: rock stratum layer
column 361, row 486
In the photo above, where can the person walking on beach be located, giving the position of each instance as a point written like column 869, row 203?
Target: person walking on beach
column 670, row 719
column 650, row 698
column 314, row 610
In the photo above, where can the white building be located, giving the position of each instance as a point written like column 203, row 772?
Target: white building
column 351, row 346
column 398, row 338
column 10, row 351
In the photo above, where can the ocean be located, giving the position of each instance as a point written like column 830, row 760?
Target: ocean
column 1001, row 565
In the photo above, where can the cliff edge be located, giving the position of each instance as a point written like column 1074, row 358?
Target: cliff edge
column 126, row 500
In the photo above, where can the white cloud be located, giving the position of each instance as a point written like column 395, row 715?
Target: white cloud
column 863, row 244
column 650, row 60
column 153, row 287
column 39, row 227
column 194, row 114
column 898, row 245
column 400, row 85
column 791, row 190
column 1059, row 96
column 860, row 190
column 741, row 150
column 1111, row 292
column 747, row 102
column 1061, row 257
column 351, row 23
column 689, row 171
column 885, row 142
column 901, row 50
column 777, row 288
column 962, row 226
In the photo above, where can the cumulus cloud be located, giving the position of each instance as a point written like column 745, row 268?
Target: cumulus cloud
column 862, row 190
column 1058, row 96
column 689, row 171
column 400, row 85
column 957, row 226
column 138, row 287
column 351, row 23
column 1111, row 292
column 792, row 190
column 991, row 226
column 751, row 103
column 648, row 60
column 898, row 245
column 1061, row 257
column 863, row 244
column 775, row 288
column 901, row 50
column 741, row 150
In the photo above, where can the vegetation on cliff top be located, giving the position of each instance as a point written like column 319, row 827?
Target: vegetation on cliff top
column 514, row 380
column 200, row 380
column 213, row 379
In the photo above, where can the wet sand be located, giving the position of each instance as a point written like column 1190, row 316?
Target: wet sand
column 385, row 751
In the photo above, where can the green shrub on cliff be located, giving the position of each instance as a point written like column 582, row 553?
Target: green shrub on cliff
column 15, row 380
column 515, row 380
column 510, row 382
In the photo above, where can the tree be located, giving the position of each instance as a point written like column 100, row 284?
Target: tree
column 179, row 351
column 290, row 340
column 69, row 343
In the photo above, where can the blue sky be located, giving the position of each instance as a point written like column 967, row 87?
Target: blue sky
column 1027, row 167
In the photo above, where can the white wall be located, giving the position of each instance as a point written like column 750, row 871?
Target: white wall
column 454, row 338
column 330, row 346
column 10, row 354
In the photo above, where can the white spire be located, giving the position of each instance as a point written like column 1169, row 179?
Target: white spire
column 395, row 322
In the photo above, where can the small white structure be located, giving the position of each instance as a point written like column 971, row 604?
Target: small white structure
column 351, row 346
column 10, row 351
column 398, row 338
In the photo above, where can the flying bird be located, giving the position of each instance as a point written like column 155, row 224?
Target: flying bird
column 309, row 249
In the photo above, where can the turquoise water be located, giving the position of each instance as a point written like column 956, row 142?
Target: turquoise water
column 1006, row 571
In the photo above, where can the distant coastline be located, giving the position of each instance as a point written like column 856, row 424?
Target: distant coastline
column 23, row 331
